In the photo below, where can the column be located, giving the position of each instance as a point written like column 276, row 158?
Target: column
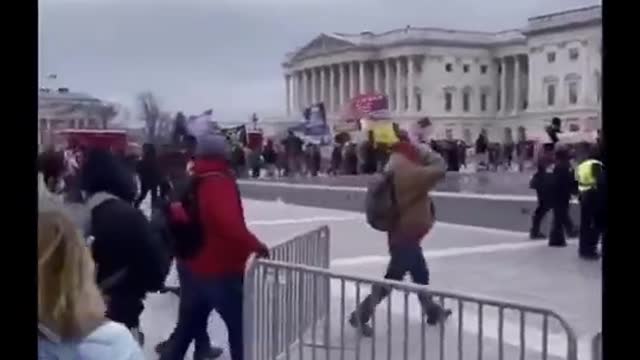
column 332, row 90
column 342, row 84
column 294, row 91
column 399, row 102
column 376, row 76
column 323, row 84
column 305, row 89
column 287, row 84
column 361, row 67
column 410, row 84
column 503, row 86
column 387, row 80
column 516, row 85
column 314, row 86
column 352, row 87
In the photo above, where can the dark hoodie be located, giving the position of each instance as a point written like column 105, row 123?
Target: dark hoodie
column 130, row 258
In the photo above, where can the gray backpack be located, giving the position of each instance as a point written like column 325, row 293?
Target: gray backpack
column 381, row 204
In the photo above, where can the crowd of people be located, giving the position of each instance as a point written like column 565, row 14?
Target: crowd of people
column 99, row 255
column 293, row 157
column 194, row 197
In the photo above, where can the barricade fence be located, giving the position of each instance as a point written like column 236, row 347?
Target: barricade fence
column 298, row 296
column 282, row 321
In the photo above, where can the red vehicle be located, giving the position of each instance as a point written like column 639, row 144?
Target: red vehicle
column 114, row 140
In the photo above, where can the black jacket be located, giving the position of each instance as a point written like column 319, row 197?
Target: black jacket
column 123, row 237
column 564, row 184
column 127, row 250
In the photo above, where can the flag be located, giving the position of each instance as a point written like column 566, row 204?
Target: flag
column 370, row 106
column 236, row 134
column 202, row 124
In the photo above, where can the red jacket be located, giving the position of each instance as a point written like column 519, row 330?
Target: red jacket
column 228, row 241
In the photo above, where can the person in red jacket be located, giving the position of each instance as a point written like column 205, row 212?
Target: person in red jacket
column 213, row 279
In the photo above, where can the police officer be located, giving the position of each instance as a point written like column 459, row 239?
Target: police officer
column 590, row 175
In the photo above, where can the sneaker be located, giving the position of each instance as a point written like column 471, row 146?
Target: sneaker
column 211, row 353
column 364, row 328
column 437, row 315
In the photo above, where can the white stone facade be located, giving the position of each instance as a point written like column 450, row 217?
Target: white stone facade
column 464, row 81
column 61, row 109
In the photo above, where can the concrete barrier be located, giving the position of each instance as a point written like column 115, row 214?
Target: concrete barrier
column 500, row 211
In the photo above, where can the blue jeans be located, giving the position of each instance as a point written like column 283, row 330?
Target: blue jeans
column 202, row 336
column 405, row 258
column 200, row 296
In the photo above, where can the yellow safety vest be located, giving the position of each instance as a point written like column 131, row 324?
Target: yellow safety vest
column 584, row 175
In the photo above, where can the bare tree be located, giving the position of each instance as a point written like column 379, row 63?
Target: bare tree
column 150, row 114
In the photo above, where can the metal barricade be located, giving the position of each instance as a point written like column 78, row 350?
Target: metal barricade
column 271, row 301
column 480, row 328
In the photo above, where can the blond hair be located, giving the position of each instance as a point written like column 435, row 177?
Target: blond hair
column 69, row 302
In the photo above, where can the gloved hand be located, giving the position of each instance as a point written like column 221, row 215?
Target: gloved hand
column 262, row 251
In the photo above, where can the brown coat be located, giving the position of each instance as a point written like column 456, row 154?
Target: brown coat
column 412, row 185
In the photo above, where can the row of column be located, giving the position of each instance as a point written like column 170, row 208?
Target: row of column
column 347, row 80
column 511, row 85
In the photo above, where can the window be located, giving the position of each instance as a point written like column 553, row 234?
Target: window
column 573, row 127
column 418, row 101
column 574, row 54
column 483, row 69
column 466, row 100
column 551, row 57
column 483, row 102
column 448, row 67
column 522, row 133
column 573, row 93
column 448, row 101
column 551, row 94
column 498, row 104
column 508, row 135
column 467, row 137
column 465, row 68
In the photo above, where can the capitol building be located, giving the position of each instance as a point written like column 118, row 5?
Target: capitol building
column 508, row 83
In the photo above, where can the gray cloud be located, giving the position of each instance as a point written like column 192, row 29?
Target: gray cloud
column 226, row 54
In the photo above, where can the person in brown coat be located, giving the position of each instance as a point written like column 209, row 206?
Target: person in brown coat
column 415, row 173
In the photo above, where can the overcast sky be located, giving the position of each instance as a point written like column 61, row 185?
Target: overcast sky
column 226, row 54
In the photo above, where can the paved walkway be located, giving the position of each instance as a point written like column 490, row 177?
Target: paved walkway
column 495, row 263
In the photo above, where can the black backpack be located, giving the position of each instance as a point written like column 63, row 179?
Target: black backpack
column 187, row 237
